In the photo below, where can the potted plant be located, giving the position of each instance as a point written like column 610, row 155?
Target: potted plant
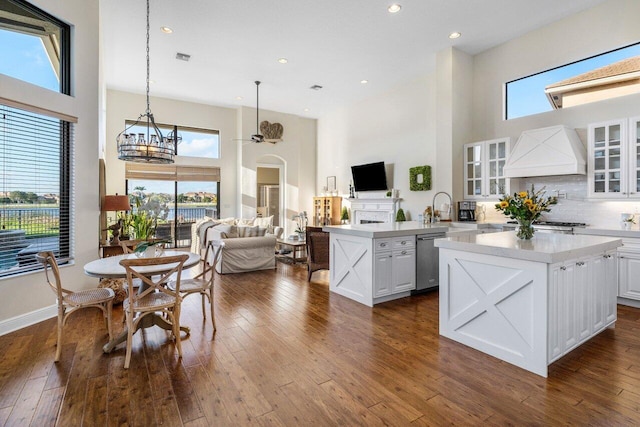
column 344, row 215
column 400, row 216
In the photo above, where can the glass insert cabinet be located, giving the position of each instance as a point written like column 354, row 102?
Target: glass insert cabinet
column 614, row 159
column 484, row 169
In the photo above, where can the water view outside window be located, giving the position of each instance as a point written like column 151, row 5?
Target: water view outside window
column 608, row 75
column 176, row 205
column 34, row 189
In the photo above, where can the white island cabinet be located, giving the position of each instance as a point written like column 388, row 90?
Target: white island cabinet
column 374, row 263
column 527, row 302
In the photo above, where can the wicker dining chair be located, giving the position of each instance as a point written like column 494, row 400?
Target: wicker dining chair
column 153, row 296
column 70, row 301
column 201, row 284
column 317, row 250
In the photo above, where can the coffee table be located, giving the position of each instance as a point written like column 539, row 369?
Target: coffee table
column 298, row 249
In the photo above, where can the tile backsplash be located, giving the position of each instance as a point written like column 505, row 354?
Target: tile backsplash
column 575, row 207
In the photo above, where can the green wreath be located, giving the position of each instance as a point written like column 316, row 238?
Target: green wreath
column 425, row 185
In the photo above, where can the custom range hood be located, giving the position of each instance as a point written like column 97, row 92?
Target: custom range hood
column 556, row 150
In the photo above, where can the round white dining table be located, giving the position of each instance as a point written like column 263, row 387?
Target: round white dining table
column 110, row 268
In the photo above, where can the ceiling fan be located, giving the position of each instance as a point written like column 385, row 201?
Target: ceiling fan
column 272, row 131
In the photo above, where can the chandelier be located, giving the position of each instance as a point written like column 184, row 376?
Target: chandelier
column 149, row 147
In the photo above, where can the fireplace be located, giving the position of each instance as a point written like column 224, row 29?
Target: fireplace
column 373, row 211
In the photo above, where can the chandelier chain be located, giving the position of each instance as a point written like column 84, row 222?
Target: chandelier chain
column 148, row 104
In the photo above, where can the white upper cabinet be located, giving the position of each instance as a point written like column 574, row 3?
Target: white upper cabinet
column 484, row 169
column 614, row 159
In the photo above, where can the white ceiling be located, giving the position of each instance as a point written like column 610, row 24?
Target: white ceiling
column 335, row 44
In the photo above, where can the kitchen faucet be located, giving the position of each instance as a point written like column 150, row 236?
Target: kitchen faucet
column 433, row 205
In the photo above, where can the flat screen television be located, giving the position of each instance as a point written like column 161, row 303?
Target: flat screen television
column 369, row 177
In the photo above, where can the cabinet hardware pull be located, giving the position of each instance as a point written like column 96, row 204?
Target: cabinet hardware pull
column 563, row 268
column 383, row 244
column 404, row 242
column 403, row 252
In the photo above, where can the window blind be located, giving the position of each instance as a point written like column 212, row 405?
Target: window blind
column 35, row 161
column 172, row 172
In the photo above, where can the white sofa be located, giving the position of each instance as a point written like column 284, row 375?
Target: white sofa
column 243, row 249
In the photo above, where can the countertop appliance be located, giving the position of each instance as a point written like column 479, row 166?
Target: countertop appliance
column 466, row 210
column 559, row 227
column 427, row 259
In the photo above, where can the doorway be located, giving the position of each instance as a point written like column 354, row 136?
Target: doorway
column 269, row 200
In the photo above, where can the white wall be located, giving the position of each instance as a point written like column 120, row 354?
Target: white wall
column 123, row 106
column 611, row 25
column 397, row 127
column 27, row 298
column 238, row 184
column 296, row 153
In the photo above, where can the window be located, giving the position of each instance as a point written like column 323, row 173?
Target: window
column 176, row 195
column 35, row 46
column 609, row 75
column 194, row 142
column 34, row 188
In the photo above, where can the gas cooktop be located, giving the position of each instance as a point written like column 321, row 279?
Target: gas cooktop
column 555, row 223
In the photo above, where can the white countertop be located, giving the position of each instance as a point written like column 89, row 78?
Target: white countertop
column 376, row 231
column 543, row 247
column 613, row 232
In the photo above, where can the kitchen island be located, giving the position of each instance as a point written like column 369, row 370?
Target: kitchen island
column 527, row 302
column 374, row 263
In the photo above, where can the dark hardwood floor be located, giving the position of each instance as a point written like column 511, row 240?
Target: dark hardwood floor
column 288, row 352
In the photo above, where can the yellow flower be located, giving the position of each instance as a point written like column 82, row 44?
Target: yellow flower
column 528, row 202
column 533, row 208
column 522, row 194
column 504, row 204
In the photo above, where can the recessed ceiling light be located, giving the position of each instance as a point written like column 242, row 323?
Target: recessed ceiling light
column 166, row 30
column 364, row 82
column 455, row 35
column 239, row 98
column 394, row 8
column 152, row 82
column 282, row 60
column 306, row 110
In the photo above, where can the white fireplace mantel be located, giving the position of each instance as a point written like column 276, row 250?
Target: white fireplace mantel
column 374, row 210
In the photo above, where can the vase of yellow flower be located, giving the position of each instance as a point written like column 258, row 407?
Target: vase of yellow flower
column 525, row 207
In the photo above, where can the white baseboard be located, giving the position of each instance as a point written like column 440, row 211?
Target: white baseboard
column 629, row 302
column 28, row 319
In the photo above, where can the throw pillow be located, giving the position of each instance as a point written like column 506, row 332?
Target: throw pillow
column 245, row 221
column 243, row 231
column 262, row 231
column 264, row 222
column 227, row 231
column 252, row 231
column 229, row 221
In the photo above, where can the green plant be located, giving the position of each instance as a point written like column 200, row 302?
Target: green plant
column 139, row 223
column 344, row 215
column 389, row 193
column 400, row 216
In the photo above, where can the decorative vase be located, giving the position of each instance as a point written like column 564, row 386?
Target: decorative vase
column 525, row 229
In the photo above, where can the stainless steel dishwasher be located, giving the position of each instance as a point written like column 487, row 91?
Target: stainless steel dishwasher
column 427, row 260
